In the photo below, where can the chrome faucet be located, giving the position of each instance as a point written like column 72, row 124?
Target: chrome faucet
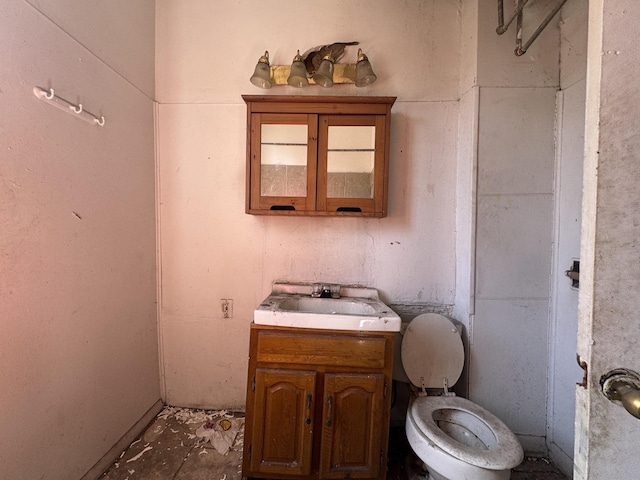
column 322, row 290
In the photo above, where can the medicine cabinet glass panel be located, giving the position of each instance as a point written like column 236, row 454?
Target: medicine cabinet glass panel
column 350, row 161
column 283, row 160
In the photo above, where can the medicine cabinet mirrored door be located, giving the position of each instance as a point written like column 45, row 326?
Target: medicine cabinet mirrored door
column 284, row 162
column 351, row 160
column 317, row 155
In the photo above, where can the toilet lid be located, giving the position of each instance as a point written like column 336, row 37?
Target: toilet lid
column 431, row 351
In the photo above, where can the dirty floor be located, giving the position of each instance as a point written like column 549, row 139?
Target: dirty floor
column 171, row 449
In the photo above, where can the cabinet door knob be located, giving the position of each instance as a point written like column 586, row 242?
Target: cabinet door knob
column 309, row 399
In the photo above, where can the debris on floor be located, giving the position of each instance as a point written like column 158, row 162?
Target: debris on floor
column 184, row 444
column 177, row 446
column 133, row 459
column 220, row 433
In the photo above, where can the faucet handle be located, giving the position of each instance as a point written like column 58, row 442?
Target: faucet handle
column 325, row 290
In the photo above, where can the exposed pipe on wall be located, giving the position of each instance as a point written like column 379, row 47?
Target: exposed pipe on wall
column 502, row 27
column 518, row 13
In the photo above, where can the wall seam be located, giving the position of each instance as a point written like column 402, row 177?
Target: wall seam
column 97, row 57
column 156, row 150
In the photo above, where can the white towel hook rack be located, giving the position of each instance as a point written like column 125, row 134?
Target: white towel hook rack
column 51, row 98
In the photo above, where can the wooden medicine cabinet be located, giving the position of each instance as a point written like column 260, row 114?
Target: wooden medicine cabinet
column 317, row 155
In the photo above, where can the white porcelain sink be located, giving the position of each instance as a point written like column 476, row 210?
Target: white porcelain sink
column 291, row 305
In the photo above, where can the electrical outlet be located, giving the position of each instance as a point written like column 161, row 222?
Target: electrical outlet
column 226, row 306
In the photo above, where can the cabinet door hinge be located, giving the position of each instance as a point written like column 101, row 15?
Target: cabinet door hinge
column 384, row 392
column 253, row 384
column 381, row 458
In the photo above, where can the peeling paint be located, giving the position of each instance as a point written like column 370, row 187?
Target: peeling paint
column 133, row 459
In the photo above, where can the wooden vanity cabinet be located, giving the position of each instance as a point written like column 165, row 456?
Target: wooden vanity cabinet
column 318, row 403
column 317, row 155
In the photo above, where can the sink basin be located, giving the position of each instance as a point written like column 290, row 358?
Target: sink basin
column 343, row 306
column 358, row 308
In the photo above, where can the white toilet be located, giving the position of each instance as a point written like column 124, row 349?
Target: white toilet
column 455, row 438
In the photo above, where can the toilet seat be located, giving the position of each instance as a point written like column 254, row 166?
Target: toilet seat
column 504, row 449
column 431, row 351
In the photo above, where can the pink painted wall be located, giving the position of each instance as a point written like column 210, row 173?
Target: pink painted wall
column 78, row 336
column 211, row 249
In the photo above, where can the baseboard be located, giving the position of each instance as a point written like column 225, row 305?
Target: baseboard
column 561, row 460
column 114, row 452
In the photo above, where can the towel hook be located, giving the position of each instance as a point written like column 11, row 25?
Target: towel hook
column 51, row 98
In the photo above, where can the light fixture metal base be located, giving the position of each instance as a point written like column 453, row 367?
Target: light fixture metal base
column 343, row 73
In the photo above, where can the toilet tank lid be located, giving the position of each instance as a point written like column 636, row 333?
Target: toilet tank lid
column 431, row 351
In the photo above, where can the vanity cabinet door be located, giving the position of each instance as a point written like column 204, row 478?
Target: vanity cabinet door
column 317, row 404
column 282, row 427
column 352, row 425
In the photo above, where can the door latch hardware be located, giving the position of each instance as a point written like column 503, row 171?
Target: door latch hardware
column 623, row 385
column 574, row 274
column 585, row 368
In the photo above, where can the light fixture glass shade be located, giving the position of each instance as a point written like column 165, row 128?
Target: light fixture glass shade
column 364, row 72
column 324, row 74
column 298, row 75
column 262, row 74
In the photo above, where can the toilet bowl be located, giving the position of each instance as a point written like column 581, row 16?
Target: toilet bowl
column 454, row 437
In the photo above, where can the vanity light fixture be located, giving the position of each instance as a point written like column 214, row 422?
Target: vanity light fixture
column 324, row 74
column 364, row 72
column 261, row 75
column 298, row 75
column 329, row 72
